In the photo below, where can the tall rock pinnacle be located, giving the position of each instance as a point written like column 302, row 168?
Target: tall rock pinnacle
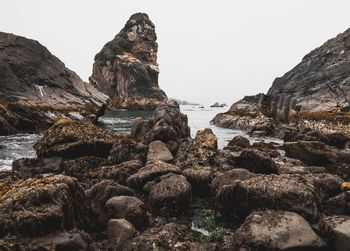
column 126, row 68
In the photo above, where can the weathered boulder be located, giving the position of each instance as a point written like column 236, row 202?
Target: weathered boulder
column 125, row 149
column 207, row 139
column 229, row 178
column 118, row 173
column 170, row 196
column 41, row 205
column 282, row 192
column 239, row 141
column 100, row 193
column 157, row 150
column 69, row 138
column 169, row 125
column 37, row 88
column 313, row 153
column 200, row 180
column 129, row 208
column 337, row 139
column 126, row 68
column 339, row 227
column 119, row 232
column 276, row 230
column 255, row 161
column 152, row 170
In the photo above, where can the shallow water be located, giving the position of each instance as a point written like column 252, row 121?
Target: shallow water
column 21, row 145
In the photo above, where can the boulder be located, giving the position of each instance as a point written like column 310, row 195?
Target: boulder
column 229, row 178
column 200, row 180
column 281, row 192
column 119, row 232
column 239, row 141
column 169, row 125
column 119, row 173
column 69, row 138
column 100, row 193
column 170, row 196
column 207, row 139
column 129, row 208
column 339, row 227
column 151, row 171
column 157, row 150
column 311, row 152
column 276, row 230
column 126, row 68
column 41, row 205
column 255, row 161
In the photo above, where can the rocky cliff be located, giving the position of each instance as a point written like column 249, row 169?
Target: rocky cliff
column 316, row 87
column 36, row 88
column 126, row 68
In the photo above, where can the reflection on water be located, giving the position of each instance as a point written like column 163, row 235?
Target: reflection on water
column 21, row 145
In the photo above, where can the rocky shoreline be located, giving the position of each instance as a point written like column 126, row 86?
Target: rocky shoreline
column 159, row 189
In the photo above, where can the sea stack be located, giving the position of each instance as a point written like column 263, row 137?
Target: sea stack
column 126, row 68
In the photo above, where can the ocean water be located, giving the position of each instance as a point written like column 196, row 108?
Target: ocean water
column 21, row 145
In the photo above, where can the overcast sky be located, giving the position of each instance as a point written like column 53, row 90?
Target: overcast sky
column 208, row 50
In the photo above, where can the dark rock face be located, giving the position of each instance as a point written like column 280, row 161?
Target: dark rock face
column 36, row 88
column 41, row 205
column 319, row 83
column 257, row 162
column 126, row 68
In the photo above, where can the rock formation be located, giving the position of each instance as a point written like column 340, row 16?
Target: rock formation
column 36, row 88
column 126, row 68
column 318, row 85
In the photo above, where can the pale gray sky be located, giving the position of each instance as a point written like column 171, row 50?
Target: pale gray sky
column 208, row 50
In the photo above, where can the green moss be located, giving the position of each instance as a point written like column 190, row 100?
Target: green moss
column 118, row 45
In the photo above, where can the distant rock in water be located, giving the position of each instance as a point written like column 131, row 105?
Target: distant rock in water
column 318, row 87
column 217, row 104
column 126, row 68
column 184, row 102
column 36, row 88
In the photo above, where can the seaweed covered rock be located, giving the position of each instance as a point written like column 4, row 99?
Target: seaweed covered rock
column 100, row 193
column 41, row 205
column 315, row 153
column 169, row 125
column 129, row 208
column 282, row 192
column 119, row 232
column 239, row 141
column 200, row 180
column 119, row 173
column 207, row 138
column 276, row 230
column 257, row 162
column 126, row 68
column 69, row 138
column 170, row 195
column 152, row 170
